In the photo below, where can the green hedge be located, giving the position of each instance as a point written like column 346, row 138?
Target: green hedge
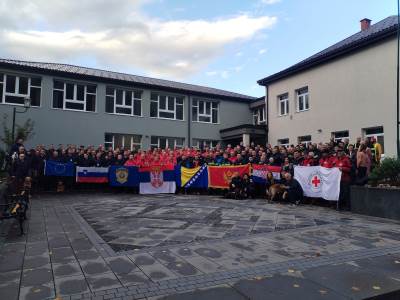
column 387, row 173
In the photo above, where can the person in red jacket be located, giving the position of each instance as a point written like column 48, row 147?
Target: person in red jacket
column 326, row 160
column 309, row 160
column 342, row 162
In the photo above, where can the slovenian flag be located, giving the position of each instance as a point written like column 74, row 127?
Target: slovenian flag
column 91, row 175
column 157, row 180
column 260, row 173
column 194, row 177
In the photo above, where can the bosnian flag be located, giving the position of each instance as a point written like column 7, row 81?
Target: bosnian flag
column 260, row 173
column 157, row 180
column 91, row 175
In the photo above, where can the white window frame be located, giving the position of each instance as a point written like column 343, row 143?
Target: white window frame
column 336, row 139
column 197, row 102
column 304, row 96
column 284, row 98
column 74, row 100
column 211, row 143
column 259, row 115
column 375, row 135
column 304, row 142
column 131, row 142
column 16, row 93
column 284, row 144
column 166, row 110
column 123, row 105
column 167, row 142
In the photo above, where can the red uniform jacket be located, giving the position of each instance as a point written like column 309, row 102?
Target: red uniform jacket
column 326, row 162
column 345, row 164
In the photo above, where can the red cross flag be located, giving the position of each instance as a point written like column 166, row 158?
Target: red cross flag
column 319, row 182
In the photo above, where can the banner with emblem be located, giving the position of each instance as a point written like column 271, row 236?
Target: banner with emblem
column 259, row 173
column 157, row 180
column 319, row 182
column 220, row 176
column 124, row 176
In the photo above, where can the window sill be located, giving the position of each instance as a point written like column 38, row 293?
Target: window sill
column 75, row 110
column 209, row 123
column 285, row 115
column 19, row 105
column 158, row 118
column 299, row 111
column 124, row 115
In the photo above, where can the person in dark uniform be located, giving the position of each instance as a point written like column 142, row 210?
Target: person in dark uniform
column 294, row 191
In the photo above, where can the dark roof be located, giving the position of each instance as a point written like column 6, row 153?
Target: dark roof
column 379, row 31
column 109, row 76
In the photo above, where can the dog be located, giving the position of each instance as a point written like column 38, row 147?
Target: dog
column 275, row 192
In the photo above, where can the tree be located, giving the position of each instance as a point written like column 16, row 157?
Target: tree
column 24, row 132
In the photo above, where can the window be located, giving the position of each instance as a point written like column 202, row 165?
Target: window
column 283, row 104
column 122, row 141
column 74, row 96
column 306, row 140
column 204, row 111
column 14, row 89
column 283, row 142
column 377, row 133
column 198, row 143
column 338, row 136
column 166, row 107
column 302, row 99
column 259, row 115
column 123, row 102
column 166, row 142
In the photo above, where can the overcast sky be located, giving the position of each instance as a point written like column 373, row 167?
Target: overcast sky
column 228, row 44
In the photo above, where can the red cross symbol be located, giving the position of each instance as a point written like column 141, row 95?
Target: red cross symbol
column 315, row 181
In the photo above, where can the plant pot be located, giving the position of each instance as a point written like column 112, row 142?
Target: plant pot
column 374, row 201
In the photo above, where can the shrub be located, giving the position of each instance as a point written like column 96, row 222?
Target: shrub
column 387, row 173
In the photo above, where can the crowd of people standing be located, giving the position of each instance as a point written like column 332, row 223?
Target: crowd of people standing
column 355, row 160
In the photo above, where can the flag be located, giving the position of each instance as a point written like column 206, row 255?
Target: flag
column 157, row 180
column 220, row 176
column 91, row 175
column 319, row 182
column 55, row 168
column 260, row 173
column 195, row 177
column 123, row 176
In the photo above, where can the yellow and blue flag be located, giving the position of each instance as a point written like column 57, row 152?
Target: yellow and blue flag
column 194, row 177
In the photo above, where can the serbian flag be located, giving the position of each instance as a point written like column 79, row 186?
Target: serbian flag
column 157, row 180
column 319, row 182
column 260, row 173
column 220, row 176
column 91, row 175
column 193, row 177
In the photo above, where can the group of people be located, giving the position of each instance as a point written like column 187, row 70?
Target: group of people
column 355, row 160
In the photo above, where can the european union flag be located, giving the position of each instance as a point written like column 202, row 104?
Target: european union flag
column 123, row 176
column 55, row 168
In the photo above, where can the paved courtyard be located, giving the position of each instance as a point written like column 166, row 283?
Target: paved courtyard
column 124, row 246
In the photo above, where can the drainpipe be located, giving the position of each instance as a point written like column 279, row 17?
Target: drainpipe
column 397, row 83
column 189, row 119
column 267, row 112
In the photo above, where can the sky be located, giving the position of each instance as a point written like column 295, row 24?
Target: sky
column 226, row 44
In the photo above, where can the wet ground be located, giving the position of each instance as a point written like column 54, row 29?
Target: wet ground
column 123, row 246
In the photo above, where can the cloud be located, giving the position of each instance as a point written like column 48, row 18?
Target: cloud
column 117, row 34
column 262, row 51
column 224, row 74
column 270, row 2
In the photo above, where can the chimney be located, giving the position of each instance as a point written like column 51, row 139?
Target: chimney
column 365, row 23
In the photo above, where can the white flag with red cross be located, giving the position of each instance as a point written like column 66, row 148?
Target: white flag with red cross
column 319, row 182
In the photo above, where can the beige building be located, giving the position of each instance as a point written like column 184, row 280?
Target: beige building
column 346, row 90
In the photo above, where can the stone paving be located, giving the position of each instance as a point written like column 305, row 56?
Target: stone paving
column 124, row 246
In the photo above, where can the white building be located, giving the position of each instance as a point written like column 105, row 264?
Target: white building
column 346, row 90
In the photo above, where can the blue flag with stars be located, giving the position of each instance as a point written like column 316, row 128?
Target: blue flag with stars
column 194, row 177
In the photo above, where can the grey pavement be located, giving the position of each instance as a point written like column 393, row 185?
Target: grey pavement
column 125, row 246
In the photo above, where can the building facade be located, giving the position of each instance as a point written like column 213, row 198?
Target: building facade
column 83, row 106
column 347, row 90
